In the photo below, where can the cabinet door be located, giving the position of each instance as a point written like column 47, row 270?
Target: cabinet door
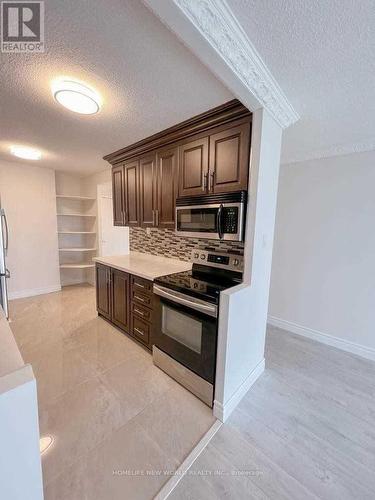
column 131, row 189
column 120, row 291
column 147, row 176
column 229, row 159
column 103, row 292
column 193, row 170
column 118, row 195
column 166, row 182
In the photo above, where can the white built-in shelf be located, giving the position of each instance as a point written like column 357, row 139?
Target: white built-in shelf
column 77, row 249
column 74, row 197
column 76, row 232
column 77, row 215
column 76, row 266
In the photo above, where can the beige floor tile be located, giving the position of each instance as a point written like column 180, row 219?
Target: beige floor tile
column 128, row 465
column 58, row 370
column 78, row 421
column 176, row 421
column 137, row 383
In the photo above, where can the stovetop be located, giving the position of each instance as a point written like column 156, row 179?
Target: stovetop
column 202, row 282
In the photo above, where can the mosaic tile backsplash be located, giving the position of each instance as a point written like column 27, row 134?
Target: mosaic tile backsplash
column 166, row 243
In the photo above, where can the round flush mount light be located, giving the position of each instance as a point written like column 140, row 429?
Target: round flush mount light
column 25, row 152
column 76, row 97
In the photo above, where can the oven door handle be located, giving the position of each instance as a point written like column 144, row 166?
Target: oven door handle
column 196, row 304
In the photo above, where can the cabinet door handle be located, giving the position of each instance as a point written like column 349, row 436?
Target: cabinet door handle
column 205, row 181
column 157, row 217
column 139, row 331
column 212, row 178
column 138, row 312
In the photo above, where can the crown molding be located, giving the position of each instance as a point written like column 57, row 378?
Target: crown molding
column 337, row 150
column 221, row 29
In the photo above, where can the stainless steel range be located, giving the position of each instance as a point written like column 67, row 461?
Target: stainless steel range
column 186, row 319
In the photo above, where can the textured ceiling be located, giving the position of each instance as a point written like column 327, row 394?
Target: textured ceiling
column 322, row 54
column 148, row 80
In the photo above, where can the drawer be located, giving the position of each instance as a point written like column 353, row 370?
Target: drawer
column 141, row 330
column 141, row 285
column 141, row 312
column 141, row 298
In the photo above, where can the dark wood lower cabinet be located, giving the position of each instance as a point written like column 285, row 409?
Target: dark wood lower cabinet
column 126, row 301
column 103, row 290
column 120, row 282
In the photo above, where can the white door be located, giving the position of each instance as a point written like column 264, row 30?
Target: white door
column 113, row 240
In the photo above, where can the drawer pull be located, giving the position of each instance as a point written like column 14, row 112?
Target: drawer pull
column 139, row 331
column 139, row 298
column 138, row 311
column 139, row 285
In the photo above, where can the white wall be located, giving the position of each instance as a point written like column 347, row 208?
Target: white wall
column 323, row 271
column 28, row 196
column 243, row 309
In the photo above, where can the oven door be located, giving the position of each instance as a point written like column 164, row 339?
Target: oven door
column 185, row 328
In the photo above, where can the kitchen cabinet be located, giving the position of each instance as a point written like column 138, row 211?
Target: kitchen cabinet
column 229, row 159
column 126, row 301
column 147, row 195
column 166, row 186
column 208, row 154
column 103, row 290
column 193, row 174
column 120, row 289
column 131, row 193
column 118, row 196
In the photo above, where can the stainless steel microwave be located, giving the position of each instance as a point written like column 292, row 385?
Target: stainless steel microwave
column 218, row 217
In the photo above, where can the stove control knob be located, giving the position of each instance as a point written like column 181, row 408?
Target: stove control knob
column 196, row 255
column 203, row 256
column 195, row 285
column 236, row 262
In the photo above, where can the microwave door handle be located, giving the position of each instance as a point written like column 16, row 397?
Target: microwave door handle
column 219, row 221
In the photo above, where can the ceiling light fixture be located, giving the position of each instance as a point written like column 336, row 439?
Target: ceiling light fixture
column 76, row 97
column 25, row 152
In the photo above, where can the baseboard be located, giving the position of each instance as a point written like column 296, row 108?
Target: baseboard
column 222, row 411
column 324, row 338
column 33, row 291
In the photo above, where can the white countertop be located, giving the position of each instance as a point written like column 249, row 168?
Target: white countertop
column 145, row 265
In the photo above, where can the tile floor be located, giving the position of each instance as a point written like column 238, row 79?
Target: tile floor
column 304, row 431
column 116, row 419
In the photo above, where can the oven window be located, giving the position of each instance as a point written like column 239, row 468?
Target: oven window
column 182, row 328
column 199, row 220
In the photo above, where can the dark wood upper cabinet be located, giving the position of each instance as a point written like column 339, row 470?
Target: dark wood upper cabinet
column 118, row 195
column 193, row 172
column 229, row 159
column 103, row 290
column 147, row 191
column 206, row 154
column 131, row 191
column 166, row 186
column 120, row 294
